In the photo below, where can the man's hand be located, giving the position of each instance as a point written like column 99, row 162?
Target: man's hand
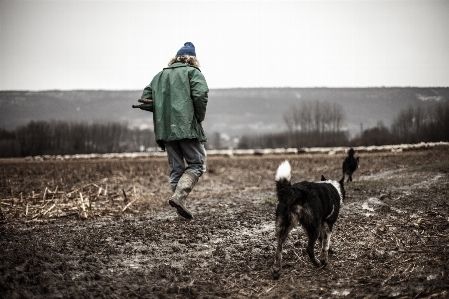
column 145, row 101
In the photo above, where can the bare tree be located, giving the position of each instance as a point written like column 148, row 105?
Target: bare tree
column 315, row 123
column 416, row 124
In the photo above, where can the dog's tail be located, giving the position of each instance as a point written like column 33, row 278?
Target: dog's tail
column 283, row 181
column 284, row 172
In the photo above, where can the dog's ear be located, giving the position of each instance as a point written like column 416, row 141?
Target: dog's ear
column 323, row 178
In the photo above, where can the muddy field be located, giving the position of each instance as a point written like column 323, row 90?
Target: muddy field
column 103, row 229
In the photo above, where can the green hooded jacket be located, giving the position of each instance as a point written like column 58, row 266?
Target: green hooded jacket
column 180, row 96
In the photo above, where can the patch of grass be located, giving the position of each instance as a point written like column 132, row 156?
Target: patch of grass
column 440, row 166
column 270, row 201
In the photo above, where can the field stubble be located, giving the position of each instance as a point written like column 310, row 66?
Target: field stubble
column 103, row 228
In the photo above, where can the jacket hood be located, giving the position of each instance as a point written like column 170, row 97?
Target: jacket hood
column 180, row 64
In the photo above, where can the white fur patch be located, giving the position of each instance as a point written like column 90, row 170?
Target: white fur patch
column 284, row 171
column 331, row 212
column 336, row 186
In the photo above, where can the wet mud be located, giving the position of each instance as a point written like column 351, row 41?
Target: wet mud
column 390, row 241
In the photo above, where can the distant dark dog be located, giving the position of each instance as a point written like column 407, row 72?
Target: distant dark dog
column 315, row 206
column 350, row 164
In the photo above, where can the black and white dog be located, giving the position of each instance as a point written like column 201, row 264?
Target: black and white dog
column 314, row 206
column 350, row 164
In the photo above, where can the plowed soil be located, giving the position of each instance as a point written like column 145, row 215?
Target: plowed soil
column 104, row 229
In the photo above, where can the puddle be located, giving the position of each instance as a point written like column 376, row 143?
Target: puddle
column 432, row 276
column 216, row 240
column 368, row 214
column 375, row 201
column 256, row 231
column 380, row 175
column 397, row 210
column 135, row 262
column 206, row 251
column 371, row 201
column 366, row 207
column 344, row 292
column 424, row 184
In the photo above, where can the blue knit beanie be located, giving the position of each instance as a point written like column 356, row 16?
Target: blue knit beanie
column 188, row 49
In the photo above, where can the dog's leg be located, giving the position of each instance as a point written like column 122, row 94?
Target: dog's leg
column 313, row 233
column 326, row 243
column 321, row 235
column 331, row 225
column 282, row 232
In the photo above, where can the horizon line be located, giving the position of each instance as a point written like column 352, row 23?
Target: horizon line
column 227, row 88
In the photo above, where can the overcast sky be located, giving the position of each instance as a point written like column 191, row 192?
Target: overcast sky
column 123, row 44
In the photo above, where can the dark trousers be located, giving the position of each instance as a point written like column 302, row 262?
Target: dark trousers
column 182, row 152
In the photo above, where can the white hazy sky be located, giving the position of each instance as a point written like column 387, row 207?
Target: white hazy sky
column 123, row 44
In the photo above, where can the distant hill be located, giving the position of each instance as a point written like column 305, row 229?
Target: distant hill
column 230, row 111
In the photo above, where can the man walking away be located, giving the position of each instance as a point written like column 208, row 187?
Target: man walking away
column 179, row 96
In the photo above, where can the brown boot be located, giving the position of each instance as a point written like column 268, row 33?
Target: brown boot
column 184, row 187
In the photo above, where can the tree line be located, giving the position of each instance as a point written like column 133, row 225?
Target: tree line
column 311, row 124
column 412, row 125
column 320, row 124
column 68, row 138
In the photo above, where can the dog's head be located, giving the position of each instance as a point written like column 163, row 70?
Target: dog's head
column 351, row 152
